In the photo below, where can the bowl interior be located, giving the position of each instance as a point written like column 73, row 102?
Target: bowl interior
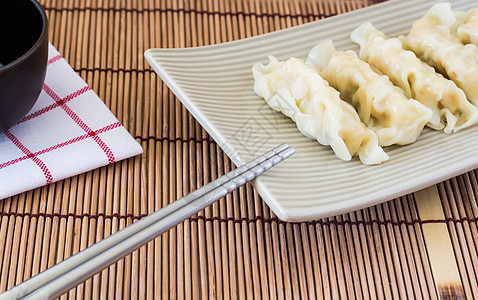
column 21, row 25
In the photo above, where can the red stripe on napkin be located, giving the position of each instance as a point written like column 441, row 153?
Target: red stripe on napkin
column 55, row 105
column 32, row 156
column 62, row 103
column 60, row 145
column 55, row 58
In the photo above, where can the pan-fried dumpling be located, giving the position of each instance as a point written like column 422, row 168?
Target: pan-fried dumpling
column 299, row 92
column 430, row 38
column 419, row 81
column 381, row 106
column 466, row 27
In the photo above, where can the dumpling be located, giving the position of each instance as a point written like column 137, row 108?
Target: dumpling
column 380, row 105
column 419, row 81
column 299, row 92
column 431, row 39
column 466, row 27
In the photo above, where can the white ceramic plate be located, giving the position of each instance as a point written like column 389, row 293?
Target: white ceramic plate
column 216, row 85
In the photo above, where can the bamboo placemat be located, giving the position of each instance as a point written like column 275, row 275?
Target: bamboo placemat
column 422, row 245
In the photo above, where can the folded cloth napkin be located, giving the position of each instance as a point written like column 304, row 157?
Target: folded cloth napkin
column 69, row 131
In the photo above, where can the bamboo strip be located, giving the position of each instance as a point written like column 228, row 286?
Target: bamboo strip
column 261, row 248
column 229, row 290
column 14, row 257
column 122, row 285
column 244, row 264
column 330, row 263
column 471, row 208
column 129, row 100
column 392, row 255
column 460, row 256
column 181, row 131
column 353, row 276
column 66, row 225
column 96, row 47
column 368, row 239
column 79, row 242
column 461, row 186
column 40, row 225
column 385, row 256
column 472, row 213
column 363, row 272
column 214, row 245
column 97, row 232
column 289, row 254
column 22, row 254
column 315, row 281
column 296, row 11
column 440, row 252
column 135, row 104
column 72, row 238
column 251, row 243
column 407, row 264
column 237, row 253
column 147, row 206
column 191, row 269
column 419, row 249
column 205, row 274
column 315, row 9
column 54, row 204
column 327, row 287
column 243, row 253
column 163, row 279
column 348, row 259
column 457, row 236
column 464, row 233
column 173, row 160
column 336, row 259
column 62, row 26
column 51, row 20
column 3, row 230
column 302, row 279
column 284, row 9
column 276, row 269
column 9, row 242
column 91, row 224
column 195, row 281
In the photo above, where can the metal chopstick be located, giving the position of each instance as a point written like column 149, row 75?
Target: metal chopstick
column 61, row 277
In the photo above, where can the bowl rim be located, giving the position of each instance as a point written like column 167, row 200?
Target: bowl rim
column 37, row 44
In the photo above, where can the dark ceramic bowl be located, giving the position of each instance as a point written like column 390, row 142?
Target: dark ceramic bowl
column 23, row 58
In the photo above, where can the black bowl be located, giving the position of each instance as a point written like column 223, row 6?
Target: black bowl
column 23, row 58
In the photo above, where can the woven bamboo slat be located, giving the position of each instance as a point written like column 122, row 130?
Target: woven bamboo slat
column 237, row 248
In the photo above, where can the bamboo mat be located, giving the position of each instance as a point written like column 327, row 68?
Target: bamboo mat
column 422, row 245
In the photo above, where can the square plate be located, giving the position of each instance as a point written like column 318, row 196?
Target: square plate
column 215, row 84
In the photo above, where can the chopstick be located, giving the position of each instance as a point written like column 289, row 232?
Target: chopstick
column 60, row 278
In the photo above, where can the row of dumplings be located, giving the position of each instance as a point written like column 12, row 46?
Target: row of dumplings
column 392, row 90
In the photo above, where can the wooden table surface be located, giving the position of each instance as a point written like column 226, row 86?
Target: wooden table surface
column 422, row 245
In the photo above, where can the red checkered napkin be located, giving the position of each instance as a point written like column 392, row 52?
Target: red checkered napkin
column 69, row 131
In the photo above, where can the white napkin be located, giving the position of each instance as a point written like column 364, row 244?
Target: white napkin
column 69, row 131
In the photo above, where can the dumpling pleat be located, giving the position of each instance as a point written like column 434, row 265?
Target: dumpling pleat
column 380, row 105
column 298, row 91
column 451, row 109
column 432, row 40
